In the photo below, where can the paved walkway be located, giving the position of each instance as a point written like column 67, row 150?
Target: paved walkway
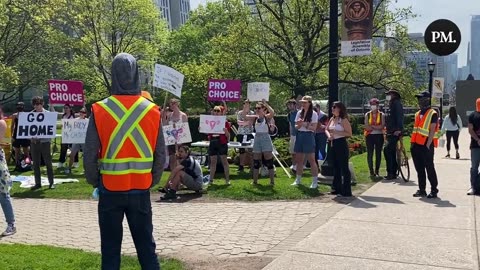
column 387, row 228
column 223, row 230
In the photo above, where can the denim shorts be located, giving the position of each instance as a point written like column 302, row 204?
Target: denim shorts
column 305, row 142
column 262, row 143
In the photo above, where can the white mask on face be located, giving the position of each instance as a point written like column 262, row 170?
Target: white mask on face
column 373, row 107
column 388, row 97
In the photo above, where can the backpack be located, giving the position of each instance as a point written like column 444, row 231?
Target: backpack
column 196, row 168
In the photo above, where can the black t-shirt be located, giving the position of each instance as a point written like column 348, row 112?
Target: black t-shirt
column 434, row 116
column 189, row 166
column 474, row 120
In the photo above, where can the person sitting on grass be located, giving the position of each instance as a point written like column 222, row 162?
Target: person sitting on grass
column 188, row 172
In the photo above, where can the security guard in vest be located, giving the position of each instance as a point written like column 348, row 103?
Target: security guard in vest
column 124, row 157
column 424, row 140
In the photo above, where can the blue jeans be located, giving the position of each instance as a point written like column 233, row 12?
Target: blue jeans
column 7, row 207
column 320, row 145
column 474, row 179
column 137, row 207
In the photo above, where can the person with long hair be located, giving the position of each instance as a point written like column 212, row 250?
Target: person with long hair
column 76, row 147
column 452, row 124
column 320, row 136
column 5, row 184
column 338, row 130
column 67, row 114
column 306, row 123
column 172, row 116
column 245, row 130
column 374, row 125
column 219, row 147
column 262, row 143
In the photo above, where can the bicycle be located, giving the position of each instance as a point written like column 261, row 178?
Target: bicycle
column 402, row 161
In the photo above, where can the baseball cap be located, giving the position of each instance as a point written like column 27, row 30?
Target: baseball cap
column 424, row 94
column 392, row 91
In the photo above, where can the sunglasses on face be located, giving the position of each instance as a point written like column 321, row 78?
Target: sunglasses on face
column 83, row 112
column 216, row 110
column 258, row 108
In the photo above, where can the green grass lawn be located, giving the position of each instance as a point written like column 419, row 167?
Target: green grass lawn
column 240, row 188
column 18, row 257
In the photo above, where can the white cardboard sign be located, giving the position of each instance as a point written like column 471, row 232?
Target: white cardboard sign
column 39, row 125
column 179, row 134
column 168, row 79
column 212, row 124
column 74, row 130
column 258, row 91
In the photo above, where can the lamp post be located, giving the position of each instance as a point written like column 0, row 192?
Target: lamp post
column 431, row 68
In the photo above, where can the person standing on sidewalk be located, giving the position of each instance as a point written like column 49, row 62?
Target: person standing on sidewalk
column 394, row 126
column 374, row 125
column 41, row 148
column 424, row 140
column 5, row 184
column 125, row 137
column 474, row 130
column 452, row 124
column 245, row 130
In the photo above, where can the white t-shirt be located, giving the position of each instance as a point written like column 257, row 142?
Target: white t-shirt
column 305, row 124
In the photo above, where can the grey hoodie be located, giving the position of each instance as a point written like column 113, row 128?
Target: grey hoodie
column 125, row 81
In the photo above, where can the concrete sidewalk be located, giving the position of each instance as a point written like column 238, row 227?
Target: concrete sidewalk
column 387, row 228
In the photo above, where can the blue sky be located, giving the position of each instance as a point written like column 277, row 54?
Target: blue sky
column 458, row 11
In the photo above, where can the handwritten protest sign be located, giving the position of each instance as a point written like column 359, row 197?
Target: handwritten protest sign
column 224, row 90
column 177, row 135
column 74, row 130
column 212, row 124
column 258, row 91
column 63, row 92
column 168, row 79
column 40, row 125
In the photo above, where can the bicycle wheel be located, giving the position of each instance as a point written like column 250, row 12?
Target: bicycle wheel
column 403, row 166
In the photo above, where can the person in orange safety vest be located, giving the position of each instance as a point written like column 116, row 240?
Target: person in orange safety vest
column 423, row 142
column 124, row 157
column 374, row 126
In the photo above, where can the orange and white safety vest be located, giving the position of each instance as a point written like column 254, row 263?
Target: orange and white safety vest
column 128, row 127
column 421, row 128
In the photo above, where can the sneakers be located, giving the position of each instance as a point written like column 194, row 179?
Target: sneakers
column 11, row 230
column 296, row 183
column 35, row 187
column 420, row 193
column 170, row 195
column 51, row 186
column 314, row 184
column 471, row 192
column 76, row 165
column 67, row 170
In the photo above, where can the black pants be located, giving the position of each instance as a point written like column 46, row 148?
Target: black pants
column 63, row 153
column 41, row 151
column 390, row 153
column 137, row 207
column 374, row 143
column 454, row 135
column 342, row 177
column 423, row 161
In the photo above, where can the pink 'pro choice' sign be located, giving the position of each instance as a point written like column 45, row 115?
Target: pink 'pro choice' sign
column 66, row 92
column 224, row 90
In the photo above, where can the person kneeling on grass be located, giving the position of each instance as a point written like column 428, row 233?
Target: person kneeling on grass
column 188, row 172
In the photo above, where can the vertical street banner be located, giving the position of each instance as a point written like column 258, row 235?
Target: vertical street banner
column 438, row 86
column 62, row 92
column 168, row 79
column 224, row 90
column 357, row 27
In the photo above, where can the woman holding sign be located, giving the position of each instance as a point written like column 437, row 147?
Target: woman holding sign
column 172, row 115
column 76, row 147
column 219, row 147
column 68, row 114
column 5, row 184
column 262, row 143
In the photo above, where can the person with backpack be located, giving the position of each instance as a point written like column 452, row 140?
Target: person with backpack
column 374, row 125
column 452, row 124
column 188, row 172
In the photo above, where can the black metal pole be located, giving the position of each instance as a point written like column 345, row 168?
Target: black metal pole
column 333, row 56
column 430, row 85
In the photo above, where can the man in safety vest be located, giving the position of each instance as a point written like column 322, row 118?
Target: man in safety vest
column 124, row 157
column 424, row 140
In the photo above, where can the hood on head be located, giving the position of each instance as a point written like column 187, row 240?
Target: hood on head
column 125, row 79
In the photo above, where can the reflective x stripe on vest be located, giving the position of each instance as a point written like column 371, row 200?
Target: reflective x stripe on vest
column 127, row 127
